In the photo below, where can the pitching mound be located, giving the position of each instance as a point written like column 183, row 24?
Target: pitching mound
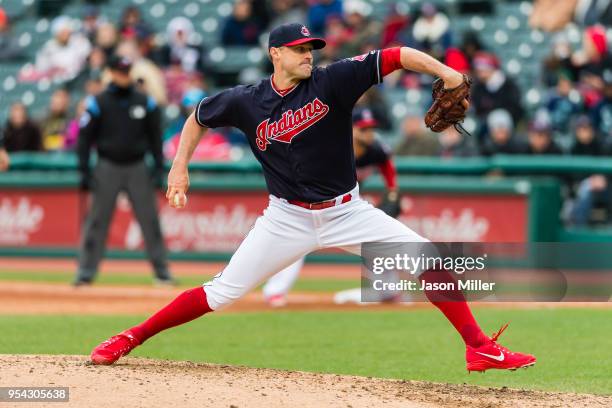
column 154, row 383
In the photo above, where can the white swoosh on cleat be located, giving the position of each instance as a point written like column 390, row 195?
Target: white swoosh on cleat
column 498, row 358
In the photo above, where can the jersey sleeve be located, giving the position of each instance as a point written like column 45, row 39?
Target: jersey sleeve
column 351, row 77
column 218, row 110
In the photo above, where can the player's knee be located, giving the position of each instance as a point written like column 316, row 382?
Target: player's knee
column 220, row 295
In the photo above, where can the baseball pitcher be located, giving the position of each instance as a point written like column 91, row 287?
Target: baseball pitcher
column 298, row 123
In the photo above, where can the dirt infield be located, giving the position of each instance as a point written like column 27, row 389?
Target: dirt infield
column 153, row 383
column 56, row 298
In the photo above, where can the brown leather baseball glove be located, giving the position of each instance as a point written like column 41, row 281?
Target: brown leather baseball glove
column 449, row 105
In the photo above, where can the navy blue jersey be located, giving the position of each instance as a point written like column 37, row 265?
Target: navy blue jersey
column 302, row 139
column 375, row 154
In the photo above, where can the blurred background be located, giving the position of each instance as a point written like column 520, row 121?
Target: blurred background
column 534, row 168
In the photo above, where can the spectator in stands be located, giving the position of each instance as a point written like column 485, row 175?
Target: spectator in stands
column 178, row 49
column 92, row 72
column 20, row 133
column 63, row 56
column 145, row 74
column 416, row 140
column 396, row 21
column 586, row 141
column 179, row 81
column 361, row 29
column 592, row 58
column 432, row 30
column 320, row 11
column 540, row 139
column 241, row 28
column 590, row 62
column 286, row 11
column 501, row 138
column 95, row 63
column 456, row 144
column 134, row 28
column 131, row 23
column 595, row 189
column 563, row 102
column 182, row 61
column 461, row 58
column 493, row 89
column 90, row 22
column 10, row 50
column 107, row 38
column 601, row 113
column 55, row 124
column 558, row 61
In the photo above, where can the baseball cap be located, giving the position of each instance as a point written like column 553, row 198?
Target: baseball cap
column 290, row 34
column 363, row 118
column 119, row 63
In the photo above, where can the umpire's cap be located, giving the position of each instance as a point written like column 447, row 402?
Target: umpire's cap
column 290, row 34
column 118, row 63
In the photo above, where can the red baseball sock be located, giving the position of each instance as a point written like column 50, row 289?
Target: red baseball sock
column 187, row 306
column 454, row 306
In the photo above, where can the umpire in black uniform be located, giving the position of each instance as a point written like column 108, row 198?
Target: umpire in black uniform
column 122, row 124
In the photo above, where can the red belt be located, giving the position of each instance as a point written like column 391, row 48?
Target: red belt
column 321, row 205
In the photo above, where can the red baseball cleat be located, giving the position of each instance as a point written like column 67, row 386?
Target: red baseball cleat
column 114, row 348
column 493, row 355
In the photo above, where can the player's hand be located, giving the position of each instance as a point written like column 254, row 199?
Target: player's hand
column 390, row 204
column 178, row 184
column 453, row 80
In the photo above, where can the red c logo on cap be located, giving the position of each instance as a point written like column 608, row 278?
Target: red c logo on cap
column 305, row 32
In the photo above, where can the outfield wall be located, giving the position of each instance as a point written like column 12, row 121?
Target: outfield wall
column 41, row 210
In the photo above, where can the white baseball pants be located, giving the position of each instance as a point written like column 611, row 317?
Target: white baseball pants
column 286, row 233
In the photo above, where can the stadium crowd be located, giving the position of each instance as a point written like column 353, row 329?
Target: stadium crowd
column 574, row 118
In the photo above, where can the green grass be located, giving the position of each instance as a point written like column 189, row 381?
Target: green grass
column 306, row 285
column 572, row 345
